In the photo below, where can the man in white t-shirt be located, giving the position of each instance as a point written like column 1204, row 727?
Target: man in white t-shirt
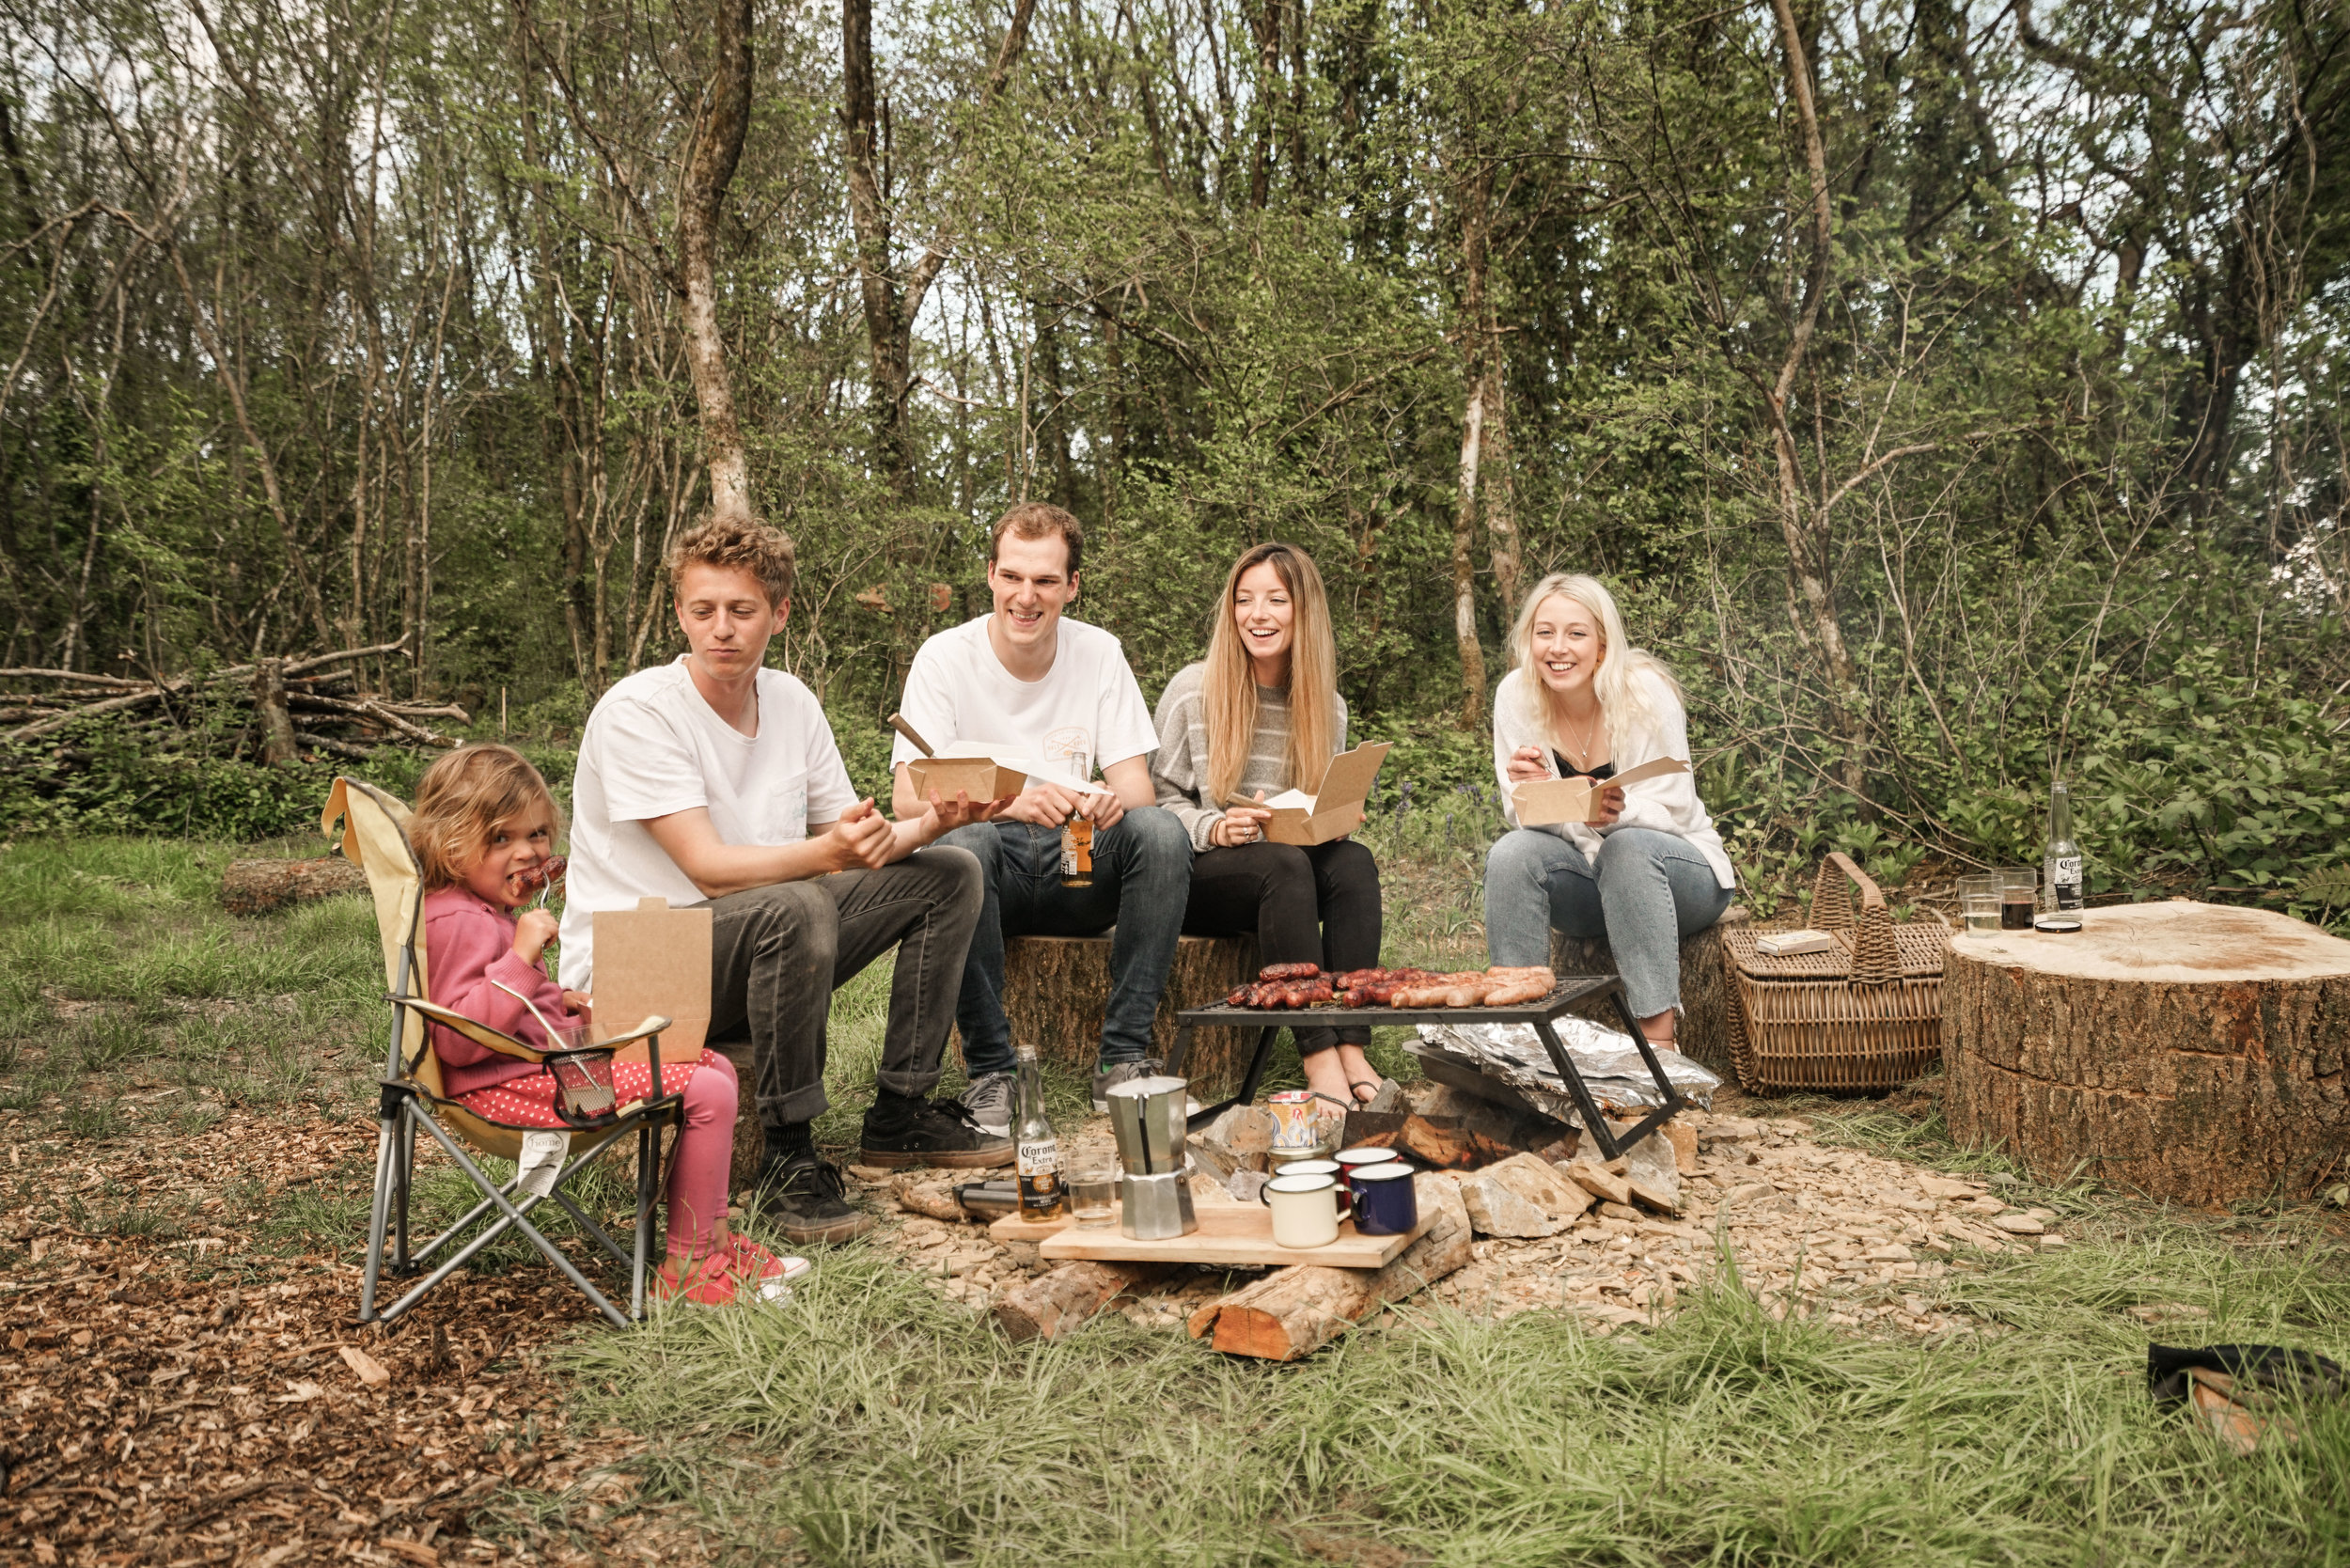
column 715, row 780
column 1059, row 692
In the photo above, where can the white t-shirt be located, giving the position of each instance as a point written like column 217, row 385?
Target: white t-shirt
column 1085, row 713
column 654, row 746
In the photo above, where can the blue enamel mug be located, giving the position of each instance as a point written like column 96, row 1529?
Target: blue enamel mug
column 1386, row 1203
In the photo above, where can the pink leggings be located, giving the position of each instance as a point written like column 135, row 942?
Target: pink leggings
column 703, row 1156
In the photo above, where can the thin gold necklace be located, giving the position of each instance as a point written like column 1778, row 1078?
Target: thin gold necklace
column 1583, row 752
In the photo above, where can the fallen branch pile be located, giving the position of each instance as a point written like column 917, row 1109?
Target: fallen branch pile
column 286, row 707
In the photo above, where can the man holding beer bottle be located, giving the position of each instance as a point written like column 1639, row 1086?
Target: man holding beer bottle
column 1064, row 860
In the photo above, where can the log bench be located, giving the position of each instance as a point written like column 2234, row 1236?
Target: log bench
column 1703, row 1031
column 2193, row 1051
column 1056, row 988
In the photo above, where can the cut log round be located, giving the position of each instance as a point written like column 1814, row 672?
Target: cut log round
column 1056, row 987
column 1703, row 1029
column 1296, row 1312
column 2192, row 1051
column 257, row 887
column 1053, row 1306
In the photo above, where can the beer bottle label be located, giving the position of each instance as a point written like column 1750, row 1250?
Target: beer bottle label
column 2065, row 880
column 1039, row 1164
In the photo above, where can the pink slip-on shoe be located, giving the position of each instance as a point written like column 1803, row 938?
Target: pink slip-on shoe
column 707, row 1281
column 770, row 1275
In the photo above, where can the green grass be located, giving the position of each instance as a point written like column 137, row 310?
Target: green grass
column 874, row 1422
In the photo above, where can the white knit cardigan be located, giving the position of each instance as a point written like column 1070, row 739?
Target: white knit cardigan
column 1668, row 805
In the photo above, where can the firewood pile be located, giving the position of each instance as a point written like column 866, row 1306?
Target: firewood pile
column 269, row 710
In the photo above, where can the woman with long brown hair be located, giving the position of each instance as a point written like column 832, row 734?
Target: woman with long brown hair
column 1262, row 714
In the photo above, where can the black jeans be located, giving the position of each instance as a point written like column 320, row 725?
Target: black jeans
column 1318, row 903
column 778, row 953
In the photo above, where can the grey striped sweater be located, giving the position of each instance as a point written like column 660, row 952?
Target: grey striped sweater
column 1179, row 769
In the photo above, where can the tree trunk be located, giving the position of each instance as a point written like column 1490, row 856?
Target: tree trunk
column 890, row 307
column 2190, row 1051
column 1264, row 21
column 1499, row 488
column 270, row 711
column 1476, row 201
column 1294, row 1312
column 1807, row 544
column 297, row 560
column 726, row 119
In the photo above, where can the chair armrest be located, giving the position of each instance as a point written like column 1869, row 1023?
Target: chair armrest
column 650, row 1026
column 481, row 1034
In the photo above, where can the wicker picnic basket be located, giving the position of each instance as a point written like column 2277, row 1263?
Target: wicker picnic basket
column 1866, row 1015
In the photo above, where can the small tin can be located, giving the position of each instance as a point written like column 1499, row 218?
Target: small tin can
column 1296, row 1125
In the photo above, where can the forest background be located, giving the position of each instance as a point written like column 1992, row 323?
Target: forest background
column 1951, row 391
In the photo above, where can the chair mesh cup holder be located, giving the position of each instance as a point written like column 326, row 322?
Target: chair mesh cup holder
column 584, row 1095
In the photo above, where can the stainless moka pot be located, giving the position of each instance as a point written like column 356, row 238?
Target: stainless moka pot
column 1147, row 1116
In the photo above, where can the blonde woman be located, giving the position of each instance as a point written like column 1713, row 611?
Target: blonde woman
column 1580, row 700
column 1262, row 714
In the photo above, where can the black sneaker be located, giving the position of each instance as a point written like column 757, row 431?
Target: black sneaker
column 929, row 1132
column 802, row 1198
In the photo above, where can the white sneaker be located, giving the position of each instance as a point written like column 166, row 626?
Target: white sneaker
column 988, row 1099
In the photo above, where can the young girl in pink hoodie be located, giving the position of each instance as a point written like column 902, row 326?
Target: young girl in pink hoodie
column 483, row 831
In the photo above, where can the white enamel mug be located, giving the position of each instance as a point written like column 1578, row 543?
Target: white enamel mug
column 1305, row 1212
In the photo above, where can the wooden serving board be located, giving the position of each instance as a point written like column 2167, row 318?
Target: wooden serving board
column 1229, row 1235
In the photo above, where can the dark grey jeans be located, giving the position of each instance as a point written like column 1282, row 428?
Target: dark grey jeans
column 1141, row 881
column 778, row 952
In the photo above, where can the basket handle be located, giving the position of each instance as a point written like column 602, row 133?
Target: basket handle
column 1876, row 958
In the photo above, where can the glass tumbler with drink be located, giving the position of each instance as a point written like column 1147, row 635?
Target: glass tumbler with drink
column 2019, row 897
column 1979, row 903
column 1092, row 1184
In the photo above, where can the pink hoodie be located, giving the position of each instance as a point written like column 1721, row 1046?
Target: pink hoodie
column 467, row 944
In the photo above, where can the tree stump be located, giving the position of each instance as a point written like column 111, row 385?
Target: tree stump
column 1703, row 1031
column 1056, row 987
column 2193, row 1051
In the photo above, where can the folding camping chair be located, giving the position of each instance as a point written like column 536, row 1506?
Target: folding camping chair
column 375, row 840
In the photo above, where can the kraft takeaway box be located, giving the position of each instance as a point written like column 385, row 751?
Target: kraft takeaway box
column 1545, row 802
column 1336, row 805
column 983, row 770
column 654, row 960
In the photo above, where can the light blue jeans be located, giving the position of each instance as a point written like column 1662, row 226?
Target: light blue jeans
column 1650, row 890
